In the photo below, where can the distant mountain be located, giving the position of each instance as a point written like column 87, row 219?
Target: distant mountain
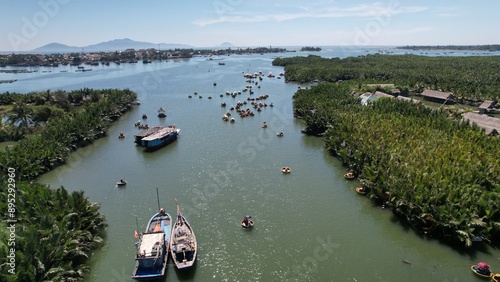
column 57, row 48
column 112, row 45
column 226, row 45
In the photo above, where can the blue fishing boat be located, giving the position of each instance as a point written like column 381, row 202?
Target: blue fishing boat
column 160, row 138
column 152, row 248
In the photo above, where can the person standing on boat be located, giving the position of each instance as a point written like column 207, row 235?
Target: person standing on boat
column 162, row 211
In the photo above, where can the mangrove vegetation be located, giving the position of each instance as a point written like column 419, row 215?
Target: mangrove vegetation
column 436, row 173
column 55, row 234
column 471, row 79
column 49, row 131
column 49, row 234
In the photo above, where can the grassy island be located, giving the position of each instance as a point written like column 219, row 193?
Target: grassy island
column 49, row 234
column 434, row 171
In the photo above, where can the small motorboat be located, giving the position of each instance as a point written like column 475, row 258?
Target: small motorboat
column 349, row 175
column 121, row 135
column 482, row 269
column 247, row 222
column 144, row 116
column 121, row 182
column 279, row 134
column 264, row 125
column 286, row 170
column 496, row 277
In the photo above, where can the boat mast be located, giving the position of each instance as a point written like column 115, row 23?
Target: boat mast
column 158, row 198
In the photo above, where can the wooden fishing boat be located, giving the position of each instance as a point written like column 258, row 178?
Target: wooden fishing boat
column 183, row 245
column 152, row 248
column 145, row 133
column 160, row 138
column 477, row 270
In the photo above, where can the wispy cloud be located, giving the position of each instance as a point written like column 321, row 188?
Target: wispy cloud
column 410, row 31
column 449, row 12
column 315, row 11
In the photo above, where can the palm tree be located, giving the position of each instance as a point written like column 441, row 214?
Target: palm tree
column 20, row 114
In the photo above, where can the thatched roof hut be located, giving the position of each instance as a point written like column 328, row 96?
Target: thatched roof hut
column 486, row 106
column 491, row 125
column 414, row 101
column 437, row 96
column 381, row 94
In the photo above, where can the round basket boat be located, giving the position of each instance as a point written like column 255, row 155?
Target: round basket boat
column 286, row 170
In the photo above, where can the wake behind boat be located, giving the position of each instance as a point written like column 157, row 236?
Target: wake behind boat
column 152, row 248
column 160, row 138
column 183, row 245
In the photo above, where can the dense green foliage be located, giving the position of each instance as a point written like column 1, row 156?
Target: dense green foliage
column 309, row 48
column 38, row 153
column 55, row 234
column 470, row 78
column 440, row 175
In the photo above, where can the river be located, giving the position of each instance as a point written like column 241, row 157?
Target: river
column 310, row 225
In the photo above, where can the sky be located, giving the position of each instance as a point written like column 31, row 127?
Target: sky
column 29, row 24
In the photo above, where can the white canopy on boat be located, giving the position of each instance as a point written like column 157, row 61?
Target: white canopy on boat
column 151, row 244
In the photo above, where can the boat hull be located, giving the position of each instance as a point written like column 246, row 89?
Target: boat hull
column 160, row 139
column 361, row 191
column 183, row 245
column 152, row 249
column 474, row 269
column 250, row 224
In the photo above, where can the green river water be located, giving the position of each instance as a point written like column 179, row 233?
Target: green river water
column 310, row 225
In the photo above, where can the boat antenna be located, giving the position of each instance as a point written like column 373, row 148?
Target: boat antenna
column 158, row 198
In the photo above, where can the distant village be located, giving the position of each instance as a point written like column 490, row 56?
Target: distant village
column 118, row 57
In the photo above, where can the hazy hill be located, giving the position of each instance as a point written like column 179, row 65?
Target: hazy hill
column 58, row 48
column 226, row 45
column 112, row 45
